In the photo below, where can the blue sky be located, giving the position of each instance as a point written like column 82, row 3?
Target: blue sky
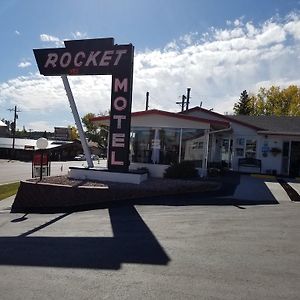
column 218, row 48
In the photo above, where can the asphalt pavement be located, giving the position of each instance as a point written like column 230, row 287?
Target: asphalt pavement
column 13, row 170
column 167, row 248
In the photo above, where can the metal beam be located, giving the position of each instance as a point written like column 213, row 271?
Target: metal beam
column 78, row 123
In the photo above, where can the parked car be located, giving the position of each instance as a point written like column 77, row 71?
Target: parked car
column 82, row 157
column 79, row 157
column 95, row 157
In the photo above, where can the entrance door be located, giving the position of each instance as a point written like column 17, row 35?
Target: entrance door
column 285, row 158
column 226, row 151
column 295, row 159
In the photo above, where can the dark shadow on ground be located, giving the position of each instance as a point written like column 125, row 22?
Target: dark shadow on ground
column 21, row 219
column 223, row 196
column 133, row 242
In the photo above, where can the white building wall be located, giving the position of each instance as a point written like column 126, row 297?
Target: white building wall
column 274, row 162
column 271, row 162
column 161, row 121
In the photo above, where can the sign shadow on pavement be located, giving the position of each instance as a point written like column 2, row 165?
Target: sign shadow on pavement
column 133, row 242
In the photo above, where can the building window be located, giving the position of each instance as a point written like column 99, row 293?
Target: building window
column 193, row 141
column 245, row 147
column 240, row 145
column 170, row 140
column 167, row 145
column 250, row 150
column 140, row 144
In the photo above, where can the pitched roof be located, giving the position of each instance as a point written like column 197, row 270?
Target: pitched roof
column 284, row 124
column 168, row 114
column 2, row 124
column 223, row 117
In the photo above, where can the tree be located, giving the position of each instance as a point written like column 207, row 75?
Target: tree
column 243, row 107
column 73, row 133
column 271, row 101
column 292, row 99
column 93, row 132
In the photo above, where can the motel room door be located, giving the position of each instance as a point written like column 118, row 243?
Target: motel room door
column 295, row 159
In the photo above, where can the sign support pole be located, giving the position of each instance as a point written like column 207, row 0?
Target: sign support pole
column 84, row 144
column 41, row 170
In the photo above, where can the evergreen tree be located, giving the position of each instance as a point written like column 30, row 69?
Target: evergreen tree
column 243, row 107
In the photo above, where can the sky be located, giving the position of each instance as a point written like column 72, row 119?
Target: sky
column 217, row 48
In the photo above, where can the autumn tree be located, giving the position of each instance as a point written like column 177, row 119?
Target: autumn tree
column 73, row 133
column 271, row 101
column 94, row 132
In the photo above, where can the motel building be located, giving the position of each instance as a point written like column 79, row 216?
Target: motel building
column 252, row 144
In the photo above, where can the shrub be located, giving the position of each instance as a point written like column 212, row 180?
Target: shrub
column 182, row 170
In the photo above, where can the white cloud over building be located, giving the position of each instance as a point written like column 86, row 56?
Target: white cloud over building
column 217, row 65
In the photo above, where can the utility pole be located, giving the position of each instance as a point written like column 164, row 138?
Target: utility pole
column 185, row 100
column 14, row 130
column 147, row 100
column 188, row 98
column 182, row 102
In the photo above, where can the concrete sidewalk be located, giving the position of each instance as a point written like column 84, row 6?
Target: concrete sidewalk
column 260, row 188
column 5, row 204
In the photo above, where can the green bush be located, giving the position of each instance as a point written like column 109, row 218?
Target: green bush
column 182, row 170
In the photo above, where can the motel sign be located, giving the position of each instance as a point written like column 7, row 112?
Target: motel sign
column 99, row 57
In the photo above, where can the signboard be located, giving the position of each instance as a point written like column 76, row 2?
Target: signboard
column 99, row 57
column 40, row 164
column 37, row 159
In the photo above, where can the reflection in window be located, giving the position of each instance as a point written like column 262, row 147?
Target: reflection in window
column 193, row 145
column 250, row 150
column 161, row 145
column 240, row 145
column 140, row 144
column 245, row 148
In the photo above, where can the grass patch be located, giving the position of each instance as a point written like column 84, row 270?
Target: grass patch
column 7, row 190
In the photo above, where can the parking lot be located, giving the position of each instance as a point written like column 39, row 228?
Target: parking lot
column 13, row 170
column 204, row 247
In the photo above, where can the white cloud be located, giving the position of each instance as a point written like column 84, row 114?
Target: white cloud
column 17, row 32
column 293, row 26
column 39, row 126
column 237, row 22
column 24, row 64
column 217, row 65
column 50, row 39
column 79, row 35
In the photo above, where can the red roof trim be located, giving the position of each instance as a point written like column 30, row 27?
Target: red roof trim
column 167, row 114
column 100, row 118
column 197, row 108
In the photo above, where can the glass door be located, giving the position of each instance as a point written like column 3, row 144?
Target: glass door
column 226, row 150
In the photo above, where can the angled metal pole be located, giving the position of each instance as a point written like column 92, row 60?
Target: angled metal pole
column 84, row 144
